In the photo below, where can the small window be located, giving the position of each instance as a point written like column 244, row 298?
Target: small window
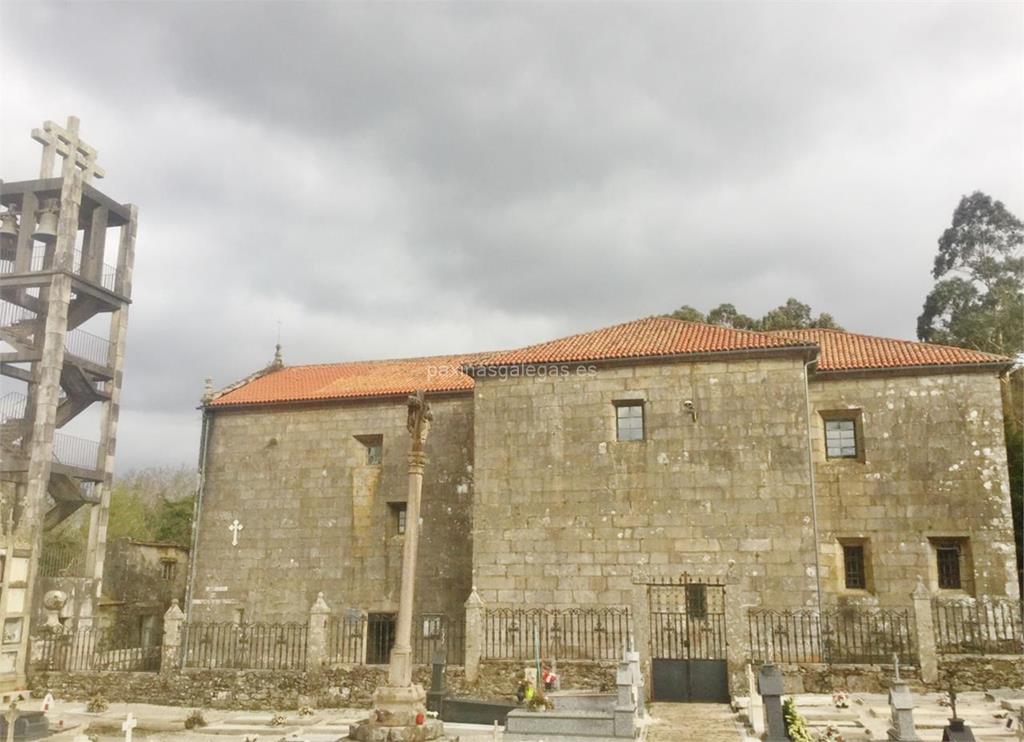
column 697, row 601
column 947, row 560
column 397, row 517
column 374, row 445
column 168, row 568
column 629, row 421
column 843, row 436
column 854, row 567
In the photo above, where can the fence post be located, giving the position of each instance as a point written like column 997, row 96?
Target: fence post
column 170, row 651
column 474, row 635
column 316, row 639
column 926, row 653
column 640, row 620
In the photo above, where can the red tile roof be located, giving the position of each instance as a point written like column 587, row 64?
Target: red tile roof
column 645, row 338
column 351, row 380
column 848, row 351
column 651, row 336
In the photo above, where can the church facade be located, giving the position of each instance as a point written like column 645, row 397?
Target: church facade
column 811, row 468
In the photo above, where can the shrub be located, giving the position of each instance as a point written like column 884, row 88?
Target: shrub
column 97, row 704
column 796, row 725
column 195, row 720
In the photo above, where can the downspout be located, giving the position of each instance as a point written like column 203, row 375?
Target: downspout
column 814, row 489
column 197, row 510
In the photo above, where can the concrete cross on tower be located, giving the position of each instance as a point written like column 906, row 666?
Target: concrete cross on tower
column 235, row 527
column 129, row 724
column 64, row 141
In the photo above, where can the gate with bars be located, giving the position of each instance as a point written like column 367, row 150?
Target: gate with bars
column 688, row 656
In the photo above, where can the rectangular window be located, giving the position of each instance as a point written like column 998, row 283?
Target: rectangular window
column 854, row 567
column 431, row 626
column 947, row 560
column 398, row 517
column 841, row 439
column 374, row 445
column 167, row 569
column 697, row 601
column 629, row 421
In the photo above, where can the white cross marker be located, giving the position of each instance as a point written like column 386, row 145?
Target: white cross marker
column 129, row 724
column 64, row 141
column 235, row 528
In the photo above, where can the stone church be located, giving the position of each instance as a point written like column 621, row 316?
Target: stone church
column 806, row 468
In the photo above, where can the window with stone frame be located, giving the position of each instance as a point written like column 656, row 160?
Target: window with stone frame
column 433, row 625
column 854, row 570
column 398, row 510
column 168, row 568
column 947, row 564
column 844, row 437
column 374, row 445
column 629, row 420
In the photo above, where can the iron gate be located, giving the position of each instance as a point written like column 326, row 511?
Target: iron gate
column 688, row 660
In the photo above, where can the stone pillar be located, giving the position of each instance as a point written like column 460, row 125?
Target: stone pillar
column 316, row 639
column 769, row 683
column 624, row 714
column 737, row 635
column 641, row 620
column 926, row 652
column 474, row 635
column 755, row 707
column 170, row 655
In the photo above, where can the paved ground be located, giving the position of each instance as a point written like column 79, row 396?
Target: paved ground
column 693, row 722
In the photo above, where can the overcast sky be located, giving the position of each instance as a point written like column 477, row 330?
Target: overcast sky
column 390, row 180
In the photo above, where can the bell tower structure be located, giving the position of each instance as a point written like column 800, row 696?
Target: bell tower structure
column 66, row 255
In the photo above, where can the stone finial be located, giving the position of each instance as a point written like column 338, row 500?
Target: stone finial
column 920, row 591
column 174, row 613
column 320, row 605
column 474, row 600
column 278, row 361
column 208, row 390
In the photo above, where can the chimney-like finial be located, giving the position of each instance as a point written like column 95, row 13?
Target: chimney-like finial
column 208, row 390
column 278, row 361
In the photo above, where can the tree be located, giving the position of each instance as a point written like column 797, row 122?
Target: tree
column 793, row 315
column 978, row 298
column 978, row 302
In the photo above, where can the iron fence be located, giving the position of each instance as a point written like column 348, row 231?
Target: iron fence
column 345, row 639
column 571, row 634
column 91, row 649
column 432, row 633
column 255, row 646
column 836, row 636
column 985, row 626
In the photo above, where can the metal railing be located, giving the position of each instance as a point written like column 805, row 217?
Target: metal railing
column 255, row 646
column 345, row 638
column 62, row 560
column 42, row 260
column 73, row 451
column 12, row 314
column 12, row 406
column 571, row 633
column 837, row 636
column 984, row 626
column 94, row 649
column 88, row 347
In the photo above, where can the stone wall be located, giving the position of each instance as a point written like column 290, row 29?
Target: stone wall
column 566, row 515
column 349, row 686
column 140, row 579
column 316, row 516
column 935, row 467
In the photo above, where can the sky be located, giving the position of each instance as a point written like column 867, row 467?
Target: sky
column 387, row 180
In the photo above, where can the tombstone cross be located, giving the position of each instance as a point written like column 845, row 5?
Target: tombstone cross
column 129, row 724
column 896, row 667
column 235, row 527
column 64, row 141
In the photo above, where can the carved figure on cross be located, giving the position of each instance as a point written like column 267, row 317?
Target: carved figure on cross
column 235, row 527
column 64, row 141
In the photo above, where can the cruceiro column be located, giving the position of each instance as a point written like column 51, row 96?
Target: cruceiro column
column 400, row 706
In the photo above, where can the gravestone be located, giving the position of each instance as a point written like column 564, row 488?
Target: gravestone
column 901, row 706
column 770, row 685
column 437, row 692
column 755, row 706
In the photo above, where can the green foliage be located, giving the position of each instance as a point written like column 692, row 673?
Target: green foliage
column 793, row 315
column 153, row 505
column 796, row 725
column 195, row 719
column 978, row 298
column 97, row 704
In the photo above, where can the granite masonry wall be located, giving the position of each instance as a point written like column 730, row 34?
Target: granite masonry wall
column 934, row 468
column 317, row 516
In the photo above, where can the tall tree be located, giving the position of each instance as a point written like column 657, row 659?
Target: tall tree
column 978, row 298
column 793, row 315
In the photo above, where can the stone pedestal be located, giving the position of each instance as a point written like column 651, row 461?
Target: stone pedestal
column 374, row 731
column 400, row 705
